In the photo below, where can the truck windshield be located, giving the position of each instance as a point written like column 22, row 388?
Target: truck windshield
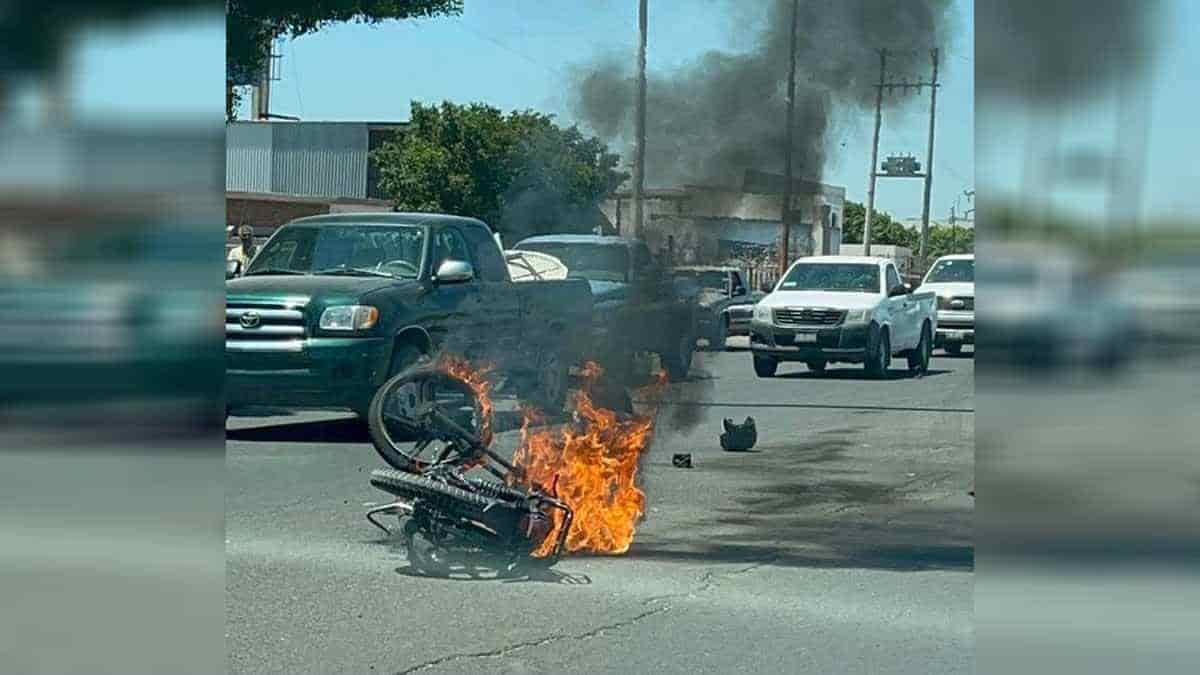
column 369, row 250
column 849, row 277
column 591, row 262
column 952, row 271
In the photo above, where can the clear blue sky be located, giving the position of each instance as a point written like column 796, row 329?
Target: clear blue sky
column 516, row 54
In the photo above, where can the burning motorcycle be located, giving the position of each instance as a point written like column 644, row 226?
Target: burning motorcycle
column 433, row 424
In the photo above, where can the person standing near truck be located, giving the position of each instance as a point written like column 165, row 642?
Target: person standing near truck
column 244, row 252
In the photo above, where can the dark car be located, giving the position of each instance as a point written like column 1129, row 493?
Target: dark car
column 725, row 303
column 637, row 305
column 334, row 305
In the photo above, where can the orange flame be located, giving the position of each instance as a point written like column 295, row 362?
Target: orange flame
column 591, row 465
column 477, row 379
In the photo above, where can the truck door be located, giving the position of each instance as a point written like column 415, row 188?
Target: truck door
column 900, row 309
column 453, row 308
column 500, row 321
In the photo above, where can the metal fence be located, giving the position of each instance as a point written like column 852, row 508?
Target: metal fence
column 762, row 274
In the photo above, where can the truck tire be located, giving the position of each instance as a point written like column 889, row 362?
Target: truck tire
column 765, row 366
column 679, row 360
column 720, row 335
column 918, row 358
column 817, row 366
column 879, row 357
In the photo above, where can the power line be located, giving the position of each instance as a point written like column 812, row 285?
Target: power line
column 514, row 52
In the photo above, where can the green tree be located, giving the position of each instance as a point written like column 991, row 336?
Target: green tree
column 250, row 25
column 884, row 230
column 475, row 160
column 944, row 240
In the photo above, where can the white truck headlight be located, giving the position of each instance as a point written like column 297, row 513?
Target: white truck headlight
column 349, row 317
column 859, row 315
column 762, row 313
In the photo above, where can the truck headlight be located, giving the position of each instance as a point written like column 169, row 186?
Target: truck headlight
column 859, row 315
column 762, row 314
column 349, row 317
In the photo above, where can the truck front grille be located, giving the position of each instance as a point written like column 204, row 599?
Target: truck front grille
column 967, row 303
column 247, row 323
column 808, row 316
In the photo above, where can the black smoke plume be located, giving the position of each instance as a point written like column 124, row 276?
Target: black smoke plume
column 726, row 112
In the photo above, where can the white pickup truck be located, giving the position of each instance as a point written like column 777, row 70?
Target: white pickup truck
column 829, row 309
column 952, row 280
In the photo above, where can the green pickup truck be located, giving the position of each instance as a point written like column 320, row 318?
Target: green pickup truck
column 331, row 306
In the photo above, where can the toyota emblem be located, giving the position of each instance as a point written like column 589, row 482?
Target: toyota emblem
column 250, row 320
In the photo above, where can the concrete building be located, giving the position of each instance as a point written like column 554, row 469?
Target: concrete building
column 694, row 224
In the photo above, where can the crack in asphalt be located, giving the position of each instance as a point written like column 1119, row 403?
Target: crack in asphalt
column 706, row 583
column 505, row 651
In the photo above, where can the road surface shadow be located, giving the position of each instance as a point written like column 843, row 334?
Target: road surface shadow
column 855, row 374
column 796, row 507
column 486, row 572
column 961, row 355
column 341, row 430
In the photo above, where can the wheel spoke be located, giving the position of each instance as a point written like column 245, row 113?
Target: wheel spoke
column 420, row 447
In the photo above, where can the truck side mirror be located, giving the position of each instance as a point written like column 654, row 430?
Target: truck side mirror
column 233, row 268
column 454, row 272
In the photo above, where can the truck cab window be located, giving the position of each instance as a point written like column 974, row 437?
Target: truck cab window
column 893, row 279
column 449, row 244
column 489, row 264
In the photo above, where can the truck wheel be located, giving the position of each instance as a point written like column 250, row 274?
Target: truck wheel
column 717, row 342
column 679, row 362
column 918, row 359
column 880, row 358
column 816, row 366
column 953, row 348
column 765, row 366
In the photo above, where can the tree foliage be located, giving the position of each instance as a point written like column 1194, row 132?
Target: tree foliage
column 474, row 160
column 250, row 25
column 943, row 239
column 34, row 35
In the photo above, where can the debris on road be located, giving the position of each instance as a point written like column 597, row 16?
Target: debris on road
column 682, row 460
column 739, row 437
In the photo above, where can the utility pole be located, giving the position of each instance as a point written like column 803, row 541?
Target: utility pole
column 874, row 154
column 953, row 231
column 933, row 87
column 785, row 216
column 639, row 161
column 260, row 102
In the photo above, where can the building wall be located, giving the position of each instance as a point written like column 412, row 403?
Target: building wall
column 328, row 160
column 248, row 157
column 266, row 215
column 691, row 221
column 320, row 160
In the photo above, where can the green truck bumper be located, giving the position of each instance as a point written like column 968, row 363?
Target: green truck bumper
column 316, row 373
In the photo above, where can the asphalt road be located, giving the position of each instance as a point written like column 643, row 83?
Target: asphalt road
column 843, row 543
